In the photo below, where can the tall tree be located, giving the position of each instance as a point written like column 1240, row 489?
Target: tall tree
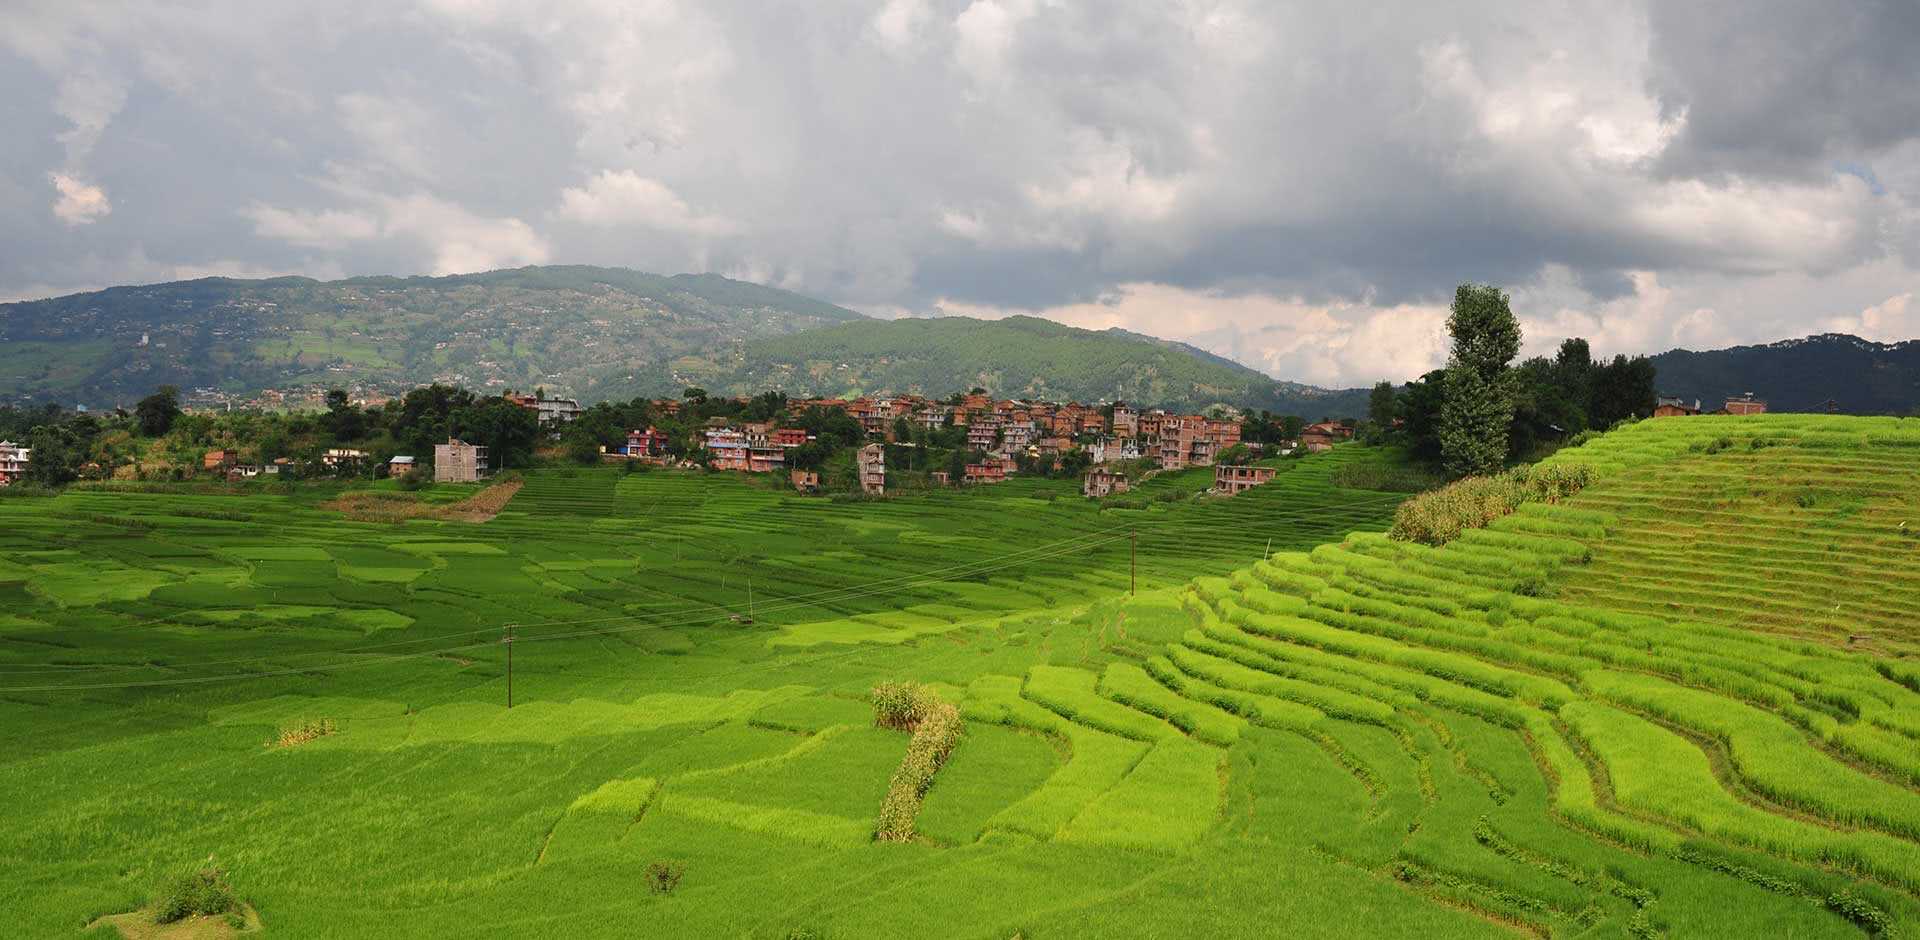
column 1478, row 409
column 1380, row 406
column 156, row 412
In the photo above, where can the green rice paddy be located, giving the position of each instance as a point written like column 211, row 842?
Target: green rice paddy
column 1581, row 721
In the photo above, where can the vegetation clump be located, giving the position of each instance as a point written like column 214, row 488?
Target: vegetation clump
column 663, row 877
column 200, row 893
column 935, row 726
column 1440, row 516
column 310, row 730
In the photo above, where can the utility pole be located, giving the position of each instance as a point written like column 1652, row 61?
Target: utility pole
column 508, row 640
column 1133, row 563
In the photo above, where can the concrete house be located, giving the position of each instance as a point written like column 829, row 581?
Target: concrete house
column 1746, row 405
column 1101, row 482
column 457, row 461
column 1675, row 408
column 872, row 461
column 1236, row 480
column 13, row 462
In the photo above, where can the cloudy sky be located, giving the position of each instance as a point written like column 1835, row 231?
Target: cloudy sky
column 1298, row 185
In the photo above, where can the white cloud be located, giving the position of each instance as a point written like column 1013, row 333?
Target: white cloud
column 453, row 239
column 897, row 26
column 623, row 197
column 326, row 228
column 1344, row 344
column 1891, row 320
column 78, row 202
column 462, row 241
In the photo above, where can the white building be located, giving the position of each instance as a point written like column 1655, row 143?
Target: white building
column 13, row 462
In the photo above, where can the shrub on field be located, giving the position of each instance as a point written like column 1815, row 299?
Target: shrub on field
column 299, row 734
column 198, row 893
column 1439, row 516
column 896, row 705
column 663, row 877
column 936, row 729
column 411, row 480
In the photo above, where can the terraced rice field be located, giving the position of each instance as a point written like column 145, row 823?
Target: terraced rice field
column 1346, row 737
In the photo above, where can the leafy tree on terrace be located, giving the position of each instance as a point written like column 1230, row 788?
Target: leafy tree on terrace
column 1478, row 409
column 508, row 430
column 1380, row 405
column 157, row 411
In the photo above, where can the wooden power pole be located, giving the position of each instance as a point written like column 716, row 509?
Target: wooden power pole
column 508, row 640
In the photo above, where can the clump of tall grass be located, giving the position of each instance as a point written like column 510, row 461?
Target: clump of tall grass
column 296, row 735
column 1439, row 516
column 935, row 726
column 199, row 893
column 663, row 877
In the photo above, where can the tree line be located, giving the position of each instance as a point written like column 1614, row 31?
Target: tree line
column 1481, row 411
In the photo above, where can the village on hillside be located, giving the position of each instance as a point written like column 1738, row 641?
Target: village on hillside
column 1108, row 446
column 1002, row 436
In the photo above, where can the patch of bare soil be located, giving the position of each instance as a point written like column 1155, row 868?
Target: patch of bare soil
column 380, row 506
column 140, row 925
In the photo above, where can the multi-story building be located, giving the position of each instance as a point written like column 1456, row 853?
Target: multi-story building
column 872, row 461
column 13, row 462
column 1236, row 480
column 1746, row 405
column 549, row 410
column 457, row 461
column 729, row 449
column 650, row 444
column 1102, row 482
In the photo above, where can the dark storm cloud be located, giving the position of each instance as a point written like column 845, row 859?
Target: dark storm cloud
column 1782, row 86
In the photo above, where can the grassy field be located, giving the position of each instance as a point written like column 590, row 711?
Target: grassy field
column 1296, row 728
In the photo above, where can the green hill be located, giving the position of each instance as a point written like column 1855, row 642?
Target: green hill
column 1017, row 356
column 591, row 332
column 1859, row 376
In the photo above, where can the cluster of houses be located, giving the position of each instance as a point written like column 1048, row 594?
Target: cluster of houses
column 1744, row 404
column 1001, row 429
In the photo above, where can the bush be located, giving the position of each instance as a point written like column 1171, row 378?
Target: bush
column 199, row 893
column 663, row 877
column 1439, row 516
column 411, row 480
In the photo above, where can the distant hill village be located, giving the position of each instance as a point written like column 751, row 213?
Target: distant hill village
column 1004, row 436
column 867, row 445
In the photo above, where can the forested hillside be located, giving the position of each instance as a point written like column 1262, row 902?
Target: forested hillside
column 1017, row 356
column 590, row 332
column 1859, row 376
